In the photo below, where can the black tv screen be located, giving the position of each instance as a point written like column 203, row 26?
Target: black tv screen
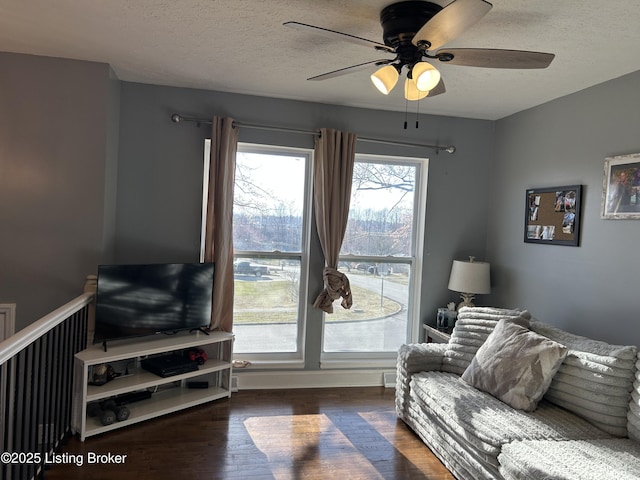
column 138, row 300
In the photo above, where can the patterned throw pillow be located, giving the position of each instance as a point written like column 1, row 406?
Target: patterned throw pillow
column 473, row 327
column 515, row 365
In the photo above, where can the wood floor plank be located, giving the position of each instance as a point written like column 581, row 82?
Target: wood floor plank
column 258, row 434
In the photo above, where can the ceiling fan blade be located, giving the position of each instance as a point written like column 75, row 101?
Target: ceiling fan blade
column 450, row 22
column 495, row 58
column 339, row 35
column 437, row 90
column 351, row 69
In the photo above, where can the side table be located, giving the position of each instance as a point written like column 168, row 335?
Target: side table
column 432, row 334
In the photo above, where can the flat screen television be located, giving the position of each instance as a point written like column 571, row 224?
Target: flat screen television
column 139, row 300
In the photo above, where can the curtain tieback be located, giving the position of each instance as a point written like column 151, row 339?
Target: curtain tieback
column 336, row 285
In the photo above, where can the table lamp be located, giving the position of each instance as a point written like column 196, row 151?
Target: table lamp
column 469, row 278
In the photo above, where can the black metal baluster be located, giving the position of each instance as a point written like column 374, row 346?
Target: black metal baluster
column 39, row 404
column 7, row 368
column 20, row 420
column 47, row 413
column 55, row 385
column 32, row 433
column 67, row 374
column 85, row 329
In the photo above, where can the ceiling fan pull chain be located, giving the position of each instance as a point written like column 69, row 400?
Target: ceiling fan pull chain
column 417, row 113
column 406, row 112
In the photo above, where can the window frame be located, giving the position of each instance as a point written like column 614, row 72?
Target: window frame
column 331, row 359
column 295, row 359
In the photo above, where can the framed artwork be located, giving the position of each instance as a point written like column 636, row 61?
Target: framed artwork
column 621, row 187
column 552, row 215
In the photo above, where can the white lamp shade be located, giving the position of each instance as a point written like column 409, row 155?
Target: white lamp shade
column 426, row 76
column 385, row 78
column 470, row 277
column 411, row 91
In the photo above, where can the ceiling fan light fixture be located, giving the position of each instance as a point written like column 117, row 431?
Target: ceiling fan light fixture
column 426, row 76
column 385, row 78
column 411, row 91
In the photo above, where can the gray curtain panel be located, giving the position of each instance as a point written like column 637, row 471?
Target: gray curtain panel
column 219, row 220
column 333, row 172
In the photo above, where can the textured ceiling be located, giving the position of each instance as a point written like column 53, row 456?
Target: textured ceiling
column 241, row 46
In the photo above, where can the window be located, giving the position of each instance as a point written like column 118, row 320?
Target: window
column 380, row 256
column 270, row 239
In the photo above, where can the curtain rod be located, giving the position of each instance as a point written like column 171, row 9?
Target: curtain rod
column 176, row 118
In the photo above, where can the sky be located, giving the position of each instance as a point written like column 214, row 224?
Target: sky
column 285, row 177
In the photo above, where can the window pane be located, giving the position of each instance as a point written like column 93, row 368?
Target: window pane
column 381, row 210
column 377, row 321
column 265, row 307
column 268, row 213
column 381, row 224
column 268, row 202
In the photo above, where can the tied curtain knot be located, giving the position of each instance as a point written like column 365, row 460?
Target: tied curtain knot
column 336, row 285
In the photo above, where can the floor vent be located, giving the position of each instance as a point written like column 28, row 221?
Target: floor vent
column 389, row 379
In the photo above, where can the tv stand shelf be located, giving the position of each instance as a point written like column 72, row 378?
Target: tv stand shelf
column 169, row 394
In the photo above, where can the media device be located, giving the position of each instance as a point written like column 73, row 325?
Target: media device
column 138, row 300
column 168, row 365
column 197, row 384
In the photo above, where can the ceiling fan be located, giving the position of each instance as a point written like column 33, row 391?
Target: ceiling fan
column 414, row 32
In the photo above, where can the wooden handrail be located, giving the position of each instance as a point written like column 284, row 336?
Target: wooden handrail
column 15, row 343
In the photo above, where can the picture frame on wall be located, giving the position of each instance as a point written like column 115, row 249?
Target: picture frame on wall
column 621, row 187
column 552, row 215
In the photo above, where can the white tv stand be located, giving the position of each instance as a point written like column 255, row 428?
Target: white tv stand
column 170, row 394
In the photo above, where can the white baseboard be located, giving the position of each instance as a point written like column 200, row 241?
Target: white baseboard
column 261, row 380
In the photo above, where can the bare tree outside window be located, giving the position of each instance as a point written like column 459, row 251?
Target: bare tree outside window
column 381, row 215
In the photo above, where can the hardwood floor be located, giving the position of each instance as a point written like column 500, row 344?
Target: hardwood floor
column 341, row 433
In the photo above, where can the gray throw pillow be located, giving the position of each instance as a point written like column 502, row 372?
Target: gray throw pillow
column 515, row 365
column 473, row 327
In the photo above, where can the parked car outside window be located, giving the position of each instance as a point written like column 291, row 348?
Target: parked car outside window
column 248, row 268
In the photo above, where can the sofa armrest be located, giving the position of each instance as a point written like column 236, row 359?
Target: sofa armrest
column 413, row 358
column 419, row 357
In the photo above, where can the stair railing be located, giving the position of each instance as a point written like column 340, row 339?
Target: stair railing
column 36, row 385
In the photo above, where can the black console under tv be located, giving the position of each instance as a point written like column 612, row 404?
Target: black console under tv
column 169, row 365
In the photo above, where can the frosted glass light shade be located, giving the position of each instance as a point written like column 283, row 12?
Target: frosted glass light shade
column 426, row 76
column 470, row 277
column 411, row 91
column 385, row 78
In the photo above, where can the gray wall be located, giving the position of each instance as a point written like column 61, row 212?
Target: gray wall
column 592, row 289
column 55, row 145
column 160, row 174
column 63, row 174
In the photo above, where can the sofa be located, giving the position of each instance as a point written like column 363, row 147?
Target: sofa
column 511, row 397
